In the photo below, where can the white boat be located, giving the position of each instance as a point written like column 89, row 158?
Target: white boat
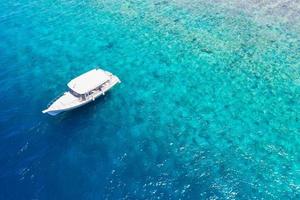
column 82, row 90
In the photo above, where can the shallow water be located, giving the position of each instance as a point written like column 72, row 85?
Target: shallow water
column 208, row 107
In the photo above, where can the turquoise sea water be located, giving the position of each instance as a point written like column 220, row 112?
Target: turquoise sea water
column 208, row 107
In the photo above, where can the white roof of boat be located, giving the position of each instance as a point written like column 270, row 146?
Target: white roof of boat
column 88, row 81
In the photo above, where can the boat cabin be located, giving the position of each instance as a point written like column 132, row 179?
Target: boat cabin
column 84, row 85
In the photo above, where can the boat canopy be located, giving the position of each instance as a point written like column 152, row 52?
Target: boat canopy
column 88, row 81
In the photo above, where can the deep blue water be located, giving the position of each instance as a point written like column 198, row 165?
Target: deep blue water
column 208, row 108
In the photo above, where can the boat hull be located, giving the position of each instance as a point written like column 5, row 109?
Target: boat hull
column 52, row 113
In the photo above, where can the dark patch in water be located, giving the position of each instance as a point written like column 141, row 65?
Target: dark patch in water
column 226, row 106
column 205, row 50
column 110, row 45
column 160, row 3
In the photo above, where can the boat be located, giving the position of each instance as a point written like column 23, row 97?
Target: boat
column 82, row 90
